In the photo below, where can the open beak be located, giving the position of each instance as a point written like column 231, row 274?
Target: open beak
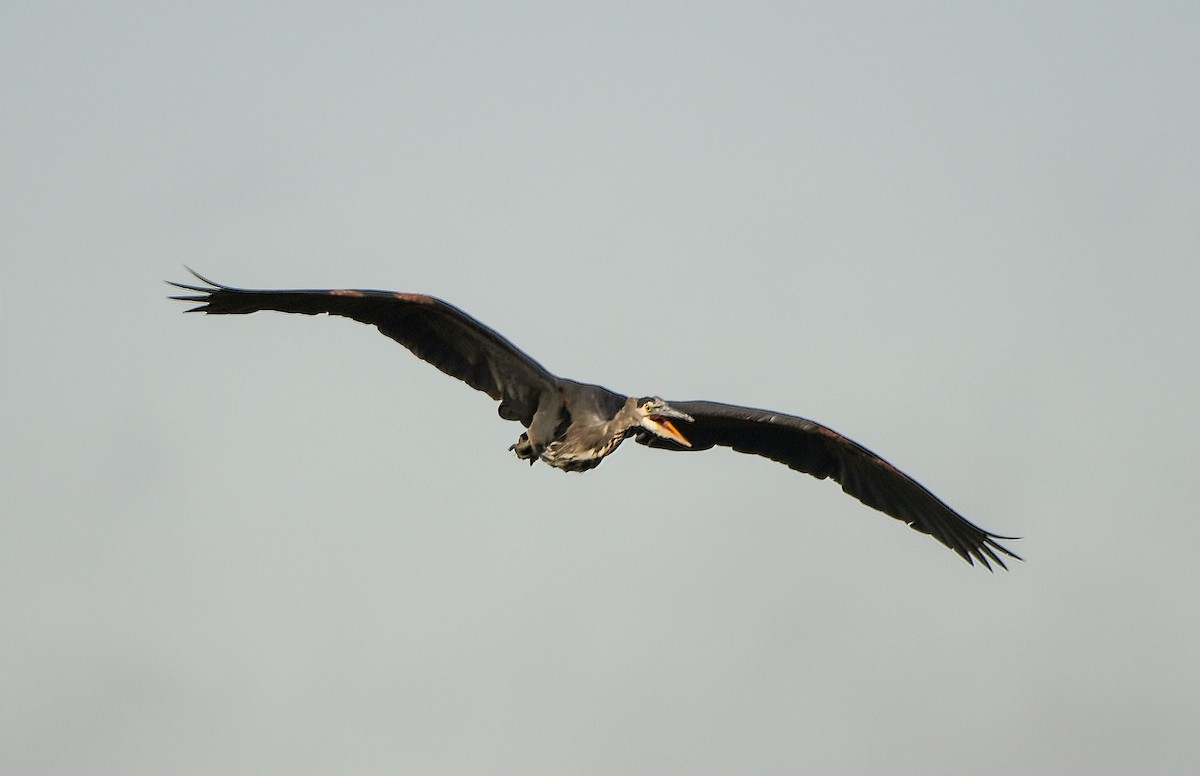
column 662, row 427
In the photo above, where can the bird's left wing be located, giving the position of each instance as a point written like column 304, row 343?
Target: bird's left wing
column 809, row 447
column 435, row 331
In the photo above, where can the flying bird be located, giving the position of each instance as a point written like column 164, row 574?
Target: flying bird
column 573, row 426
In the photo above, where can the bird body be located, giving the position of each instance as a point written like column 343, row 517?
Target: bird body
column 590, row 424
column 572, row 426
column 597, row 421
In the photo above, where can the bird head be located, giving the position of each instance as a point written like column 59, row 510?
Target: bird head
column 654, row 415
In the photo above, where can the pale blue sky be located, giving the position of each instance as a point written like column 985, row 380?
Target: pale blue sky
column 964, row 235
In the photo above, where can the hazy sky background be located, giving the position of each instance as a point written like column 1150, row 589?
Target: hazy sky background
column 966, row 235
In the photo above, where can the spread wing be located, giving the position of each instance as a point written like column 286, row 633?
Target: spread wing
column 814, row 449
column 434, row 330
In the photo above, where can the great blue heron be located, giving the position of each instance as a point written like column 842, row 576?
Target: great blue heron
column 573, row 426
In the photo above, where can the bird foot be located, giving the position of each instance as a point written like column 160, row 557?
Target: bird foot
column 526, row 450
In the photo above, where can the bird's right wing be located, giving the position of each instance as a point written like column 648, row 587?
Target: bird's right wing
column 433, row 330
column 809, row 447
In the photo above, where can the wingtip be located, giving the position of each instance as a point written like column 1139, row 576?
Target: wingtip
column 211, row 283
column 990, row 549
column 196, row 274
column 203, row 293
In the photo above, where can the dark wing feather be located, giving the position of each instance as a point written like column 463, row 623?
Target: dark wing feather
column 814, row 449
column 434, row 330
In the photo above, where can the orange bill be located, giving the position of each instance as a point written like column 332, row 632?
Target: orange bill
column 668, row 430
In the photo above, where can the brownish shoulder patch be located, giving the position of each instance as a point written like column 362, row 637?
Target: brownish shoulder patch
column 345, row 292
column 414, row 298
